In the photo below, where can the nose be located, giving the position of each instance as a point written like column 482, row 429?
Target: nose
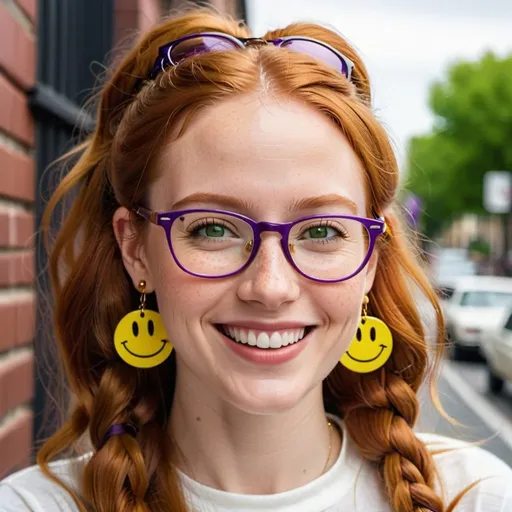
column 269, row 280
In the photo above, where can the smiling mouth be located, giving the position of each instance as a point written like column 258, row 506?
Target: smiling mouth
column 124, row 343
column 256, row 343
column 382, row 347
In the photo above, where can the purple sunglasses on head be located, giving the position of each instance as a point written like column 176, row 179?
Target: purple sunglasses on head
column 171, row 54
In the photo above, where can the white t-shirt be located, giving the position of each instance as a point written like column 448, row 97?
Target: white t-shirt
column 352, row 484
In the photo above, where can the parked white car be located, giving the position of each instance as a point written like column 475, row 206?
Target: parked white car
column 449, row 263
column 498, row 353
column 475, row 304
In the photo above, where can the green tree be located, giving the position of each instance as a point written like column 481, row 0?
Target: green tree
column 472, row 134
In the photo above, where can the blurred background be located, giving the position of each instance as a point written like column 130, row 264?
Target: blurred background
column 442, row 84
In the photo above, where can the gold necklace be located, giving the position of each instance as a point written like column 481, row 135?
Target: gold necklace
column 329, row 426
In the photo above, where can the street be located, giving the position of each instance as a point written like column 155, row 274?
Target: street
column 462, row 388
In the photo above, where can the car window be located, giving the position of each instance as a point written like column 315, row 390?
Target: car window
column 485, row 299
column 508, row 325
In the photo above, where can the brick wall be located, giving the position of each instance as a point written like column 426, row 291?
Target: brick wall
column 17, row 194
column 132, row 16
column 140, row 15
column 17, row 188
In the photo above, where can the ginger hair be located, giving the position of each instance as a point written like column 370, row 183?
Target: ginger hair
column 115, row 166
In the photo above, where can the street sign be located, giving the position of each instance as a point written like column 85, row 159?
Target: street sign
column 498, row 191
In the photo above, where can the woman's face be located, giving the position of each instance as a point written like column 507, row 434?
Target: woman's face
column 263, row 156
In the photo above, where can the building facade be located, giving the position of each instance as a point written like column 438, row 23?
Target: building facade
column 46, row 73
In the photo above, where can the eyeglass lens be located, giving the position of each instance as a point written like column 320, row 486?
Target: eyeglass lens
column 199, row 45
column 317, row 51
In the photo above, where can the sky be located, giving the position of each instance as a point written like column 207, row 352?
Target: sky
column 405, row 44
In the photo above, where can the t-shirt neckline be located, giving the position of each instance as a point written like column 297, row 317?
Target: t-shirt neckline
column 322, row 492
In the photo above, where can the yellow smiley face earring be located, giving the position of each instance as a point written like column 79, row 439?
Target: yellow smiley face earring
column 372, row 345
column 140, row 338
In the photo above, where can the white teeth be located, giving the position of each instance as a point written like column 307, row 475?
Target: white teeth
column 264, row 339
column 276, row 340
column 251, row 338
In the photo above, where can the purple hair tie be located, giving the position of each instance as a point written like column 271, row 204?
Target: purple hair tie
column 118, row 429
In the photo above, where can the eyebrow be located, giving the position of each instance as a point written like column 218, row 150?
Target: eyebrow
column 231, row 202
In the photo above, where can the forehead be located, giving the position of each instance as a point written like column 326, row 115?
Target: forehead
column 267, row 151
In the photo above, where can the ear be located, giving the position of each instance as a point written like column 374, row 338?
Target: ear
column 131, row 244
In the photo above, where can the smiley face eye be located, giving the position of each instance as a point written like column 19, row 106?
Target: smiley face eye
column 373, row 334
column 151, row 327
column 135, row 329
column 359, row 335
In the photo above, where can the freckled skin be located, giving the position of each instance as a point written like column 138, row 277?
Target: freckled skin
column 270, row 153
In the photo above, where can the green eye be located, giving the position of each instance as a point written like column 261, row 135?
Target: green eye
column 214, row 231
column 318, row 232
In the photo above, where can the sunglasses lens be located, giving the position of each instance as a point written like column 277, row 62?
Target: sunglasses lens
column 317, row 51
column 199, row 45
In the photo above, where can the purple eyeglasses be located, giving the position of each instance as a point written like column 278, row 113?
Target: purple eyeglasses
column 212, row 243
column 173, row 53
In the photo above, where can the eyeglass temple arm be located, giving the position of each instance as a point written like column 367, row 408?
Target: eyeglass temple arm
column 145, row 213
column 381, row 218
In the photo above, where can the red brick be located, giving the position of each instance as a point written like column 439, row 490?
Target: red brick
column 24, row 231
column 16, row 381
column 17, row 175
column 25, row 321
column 30, row 7
column 126, row 5
column 15, row 442
column 125, row 26
column 5, row 229
column 15, row 117
column 17, row 268
column 149, row 14
column 17, row 319
column 18, row 56
column 135, row 16
column 8, row 323
column 16, row 228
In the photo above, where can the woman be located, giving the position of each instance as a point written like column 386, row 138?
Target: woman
column 245, row 187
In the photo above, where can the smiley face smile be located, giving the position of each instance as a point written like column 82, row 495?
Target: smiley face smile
column 125, row 345
column 382, row 348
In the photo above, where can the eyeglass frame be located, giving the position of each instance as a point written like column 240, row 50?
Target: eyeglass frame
column 164, row 52
column 375, row 227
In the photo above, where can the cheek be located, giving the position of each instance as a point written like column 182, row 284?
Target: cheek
column 342, row 305
column 183, row 300
column 343, row 302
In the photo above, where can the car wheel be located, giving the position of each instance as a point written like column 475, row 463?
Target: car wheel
column 458, row 353
column 495, row 383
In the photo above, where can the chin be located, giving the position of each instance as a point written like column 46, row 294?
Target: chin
column 266, row 395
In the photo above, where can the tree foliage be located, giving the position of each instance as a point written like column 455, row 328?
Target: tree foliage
column 472, row 133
